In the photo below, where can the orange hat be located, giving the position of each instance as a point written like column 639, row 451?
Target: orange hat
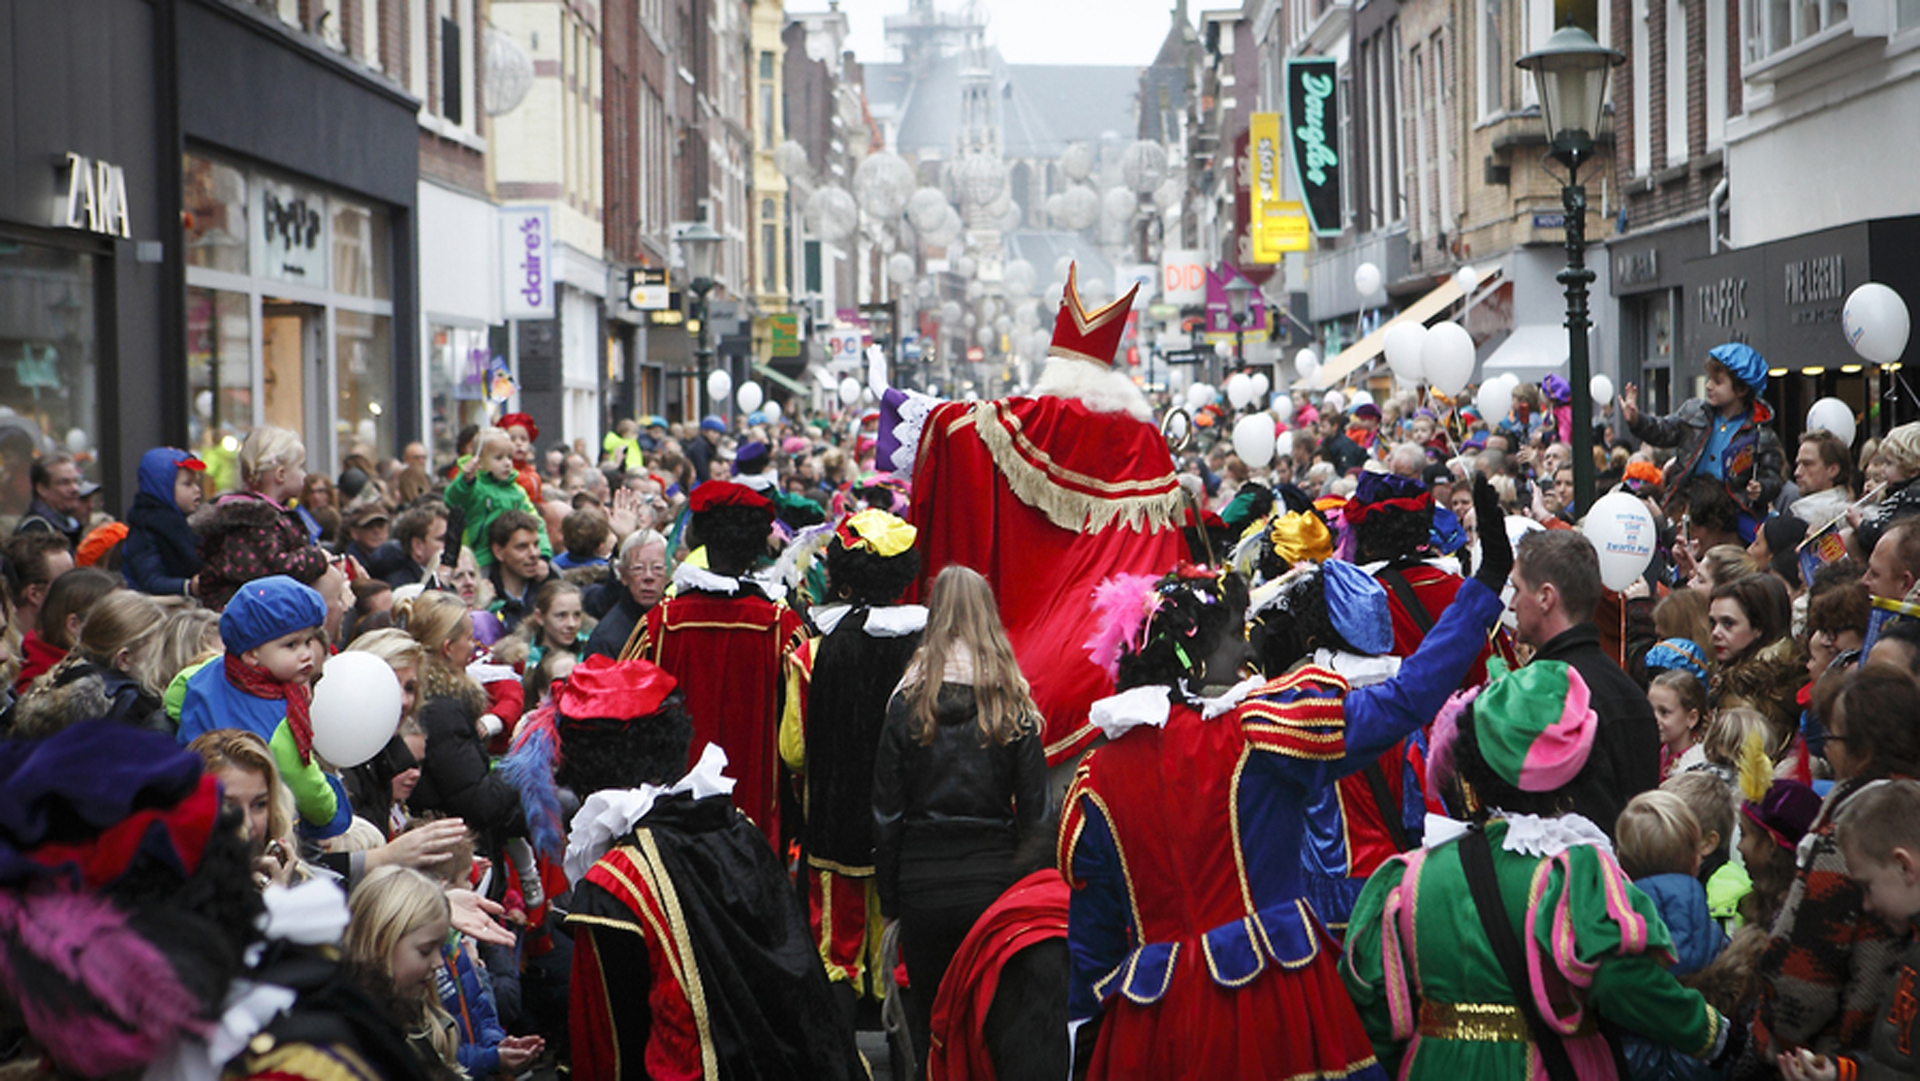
column 1642, row 471
column 95, row 545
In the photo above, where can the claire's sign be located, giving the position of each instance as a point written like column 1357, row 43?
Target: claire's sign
column 526, row 263
column 1313, row 134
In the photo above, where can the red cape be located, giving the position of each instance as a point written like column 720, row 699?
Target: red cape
column 1032, row 911
column 1047, row 499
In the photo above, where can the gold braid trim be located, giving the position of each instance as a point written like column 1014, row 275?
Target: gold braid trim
column 1073, row 511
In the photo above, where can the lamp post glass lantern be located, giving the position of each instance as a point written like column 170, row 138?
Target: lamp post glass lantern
column 1239, row 294
column 1570, row 72
column 701, row 247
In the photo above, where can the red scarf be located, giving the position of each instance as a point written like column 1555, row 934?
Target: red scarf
column 258, row 683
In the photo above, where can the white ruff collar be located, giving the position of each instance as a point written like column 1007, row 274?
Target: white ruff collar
column 610, row 815
column 1117, row 714
column 1234, row 695
column 1359, row 670
column 1449, row 564
column 893, row 621
column 689, row 577
column 759, row 482
column 1527, row 834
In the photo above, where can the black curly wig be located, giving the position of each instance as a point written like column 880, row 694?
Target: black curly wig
column 735, row 537
column 598, row 753
column 205, row 923
column 1299, row 624
column 1393, row 536
column 1490, row 790
column 1195, row 617
column 860, row 576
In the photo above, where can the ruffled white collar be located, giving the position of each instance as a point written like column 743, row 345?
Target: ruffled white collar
column 893, row 621
column 1449, row 564
column 1118, row 714
column 759, row 482
column 1529, row 835
column 609, row 815
column 1236, row 694
column 1358, row 669
column 688, row 577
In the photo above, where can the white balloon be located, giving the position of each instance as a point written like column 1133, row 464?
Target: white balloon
column 1199, row 395
column 1447, row 358
column 1253, row 439
column 355, row 708
column 1404, row 341
column 1223, row 349
column 1261, row 384
column 1833, row 415
column 749, row 397
column 1466, row 277
column 1333, row 402
column 1283, row 405
column 849, row 390
column 1622, row 532
column 1602, row 388
column 1239, row 389
column 1366, row 280
column 771, row 408
column 719, row 385
column 77, row 440
column 1283, row 445
column 1306, row 363
column 1495, row 401
column 1876, row 323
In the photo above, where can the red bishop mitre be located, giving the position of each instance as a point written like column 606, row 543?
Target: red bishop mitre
column 1079, row 334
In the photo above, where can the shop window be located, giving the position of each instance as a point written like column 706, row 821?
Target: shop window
column 457, row 371
column 219, row 377
column 360, row 245
column 216, row 215
column 363, row 363
column 49, row 363
column 293, row 226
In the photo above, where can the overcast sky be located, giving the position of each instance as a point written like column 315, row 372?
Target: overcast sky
column 1034, row 31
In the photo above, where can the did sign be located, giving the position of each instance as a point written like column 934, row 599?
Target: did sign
column 1183, row 277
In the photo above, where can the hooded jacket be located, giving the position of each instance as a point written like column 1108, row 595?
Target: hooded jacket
column 244, row 536
column 161, row 552
column 1752, row 454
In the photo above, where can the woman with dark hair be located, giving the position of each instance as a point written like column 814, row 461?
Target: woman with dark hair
column 1494, row 952
column 1760, row 665
column 1829, row 965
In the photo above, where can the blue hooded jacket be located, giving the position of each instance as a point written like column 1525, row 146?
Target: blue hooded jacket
column 1697, row 940
column 161, row 552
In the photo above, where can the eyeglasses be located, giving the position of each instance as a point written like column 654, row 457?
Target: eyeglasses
column 651, row 570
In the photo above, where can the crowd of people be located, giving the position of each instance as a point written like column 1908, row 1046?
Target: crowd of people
column 702, row 767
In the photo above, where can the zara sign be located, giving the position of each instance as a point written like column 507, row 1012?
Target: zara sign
column 96, row 198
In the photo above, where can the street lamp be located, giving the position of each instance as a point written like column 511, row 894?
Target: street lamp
column 1239, row 293
column 701, row 246
column 1570, row 73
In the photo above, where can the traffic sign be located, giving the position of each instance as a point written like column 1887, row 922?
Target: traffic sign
column 647, row 288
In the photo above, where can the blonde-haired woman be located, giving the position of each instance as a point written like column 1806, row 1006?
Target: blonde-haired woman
column 960, row 781
column 397, row 920
column 250, row 784
column 456, row 777
column 253, row 532
column 112, row 672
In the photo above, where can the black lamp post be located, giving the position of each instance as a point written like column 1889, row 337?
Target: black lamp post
column 701, row 246
column 1239, row 292
column 1570, row 73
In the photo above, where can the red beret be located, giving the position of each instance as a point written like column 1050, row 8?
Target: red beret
column 725, row 493
column 521, row 420
column 621, row 690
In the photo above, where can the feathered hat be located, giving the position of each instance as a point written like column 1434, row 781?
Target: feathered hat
column 1079, row 334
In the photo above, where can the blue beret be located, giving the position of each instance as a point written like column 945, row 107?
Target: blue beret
column 711, row 423
column 1682, row 654
column 1357, row 605
column 1745, row 364
column 1447, row 536
column 269, row 608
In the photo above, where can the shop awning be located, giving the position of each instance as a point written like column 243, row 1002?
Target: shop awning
column 1531, row 352
column 794, row 385
column 1360, row 353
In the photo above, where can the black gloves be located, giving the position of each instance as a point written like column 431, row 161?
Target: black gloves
column 456, row 533
column 1496, row 551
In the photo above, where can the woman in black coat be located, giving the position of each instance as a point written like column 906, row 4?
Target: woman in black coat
column 456, row 776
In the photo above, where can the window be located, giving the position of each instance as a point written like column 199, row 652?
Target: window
column 1716, row 75
column 1442, row 141
column 451, row 84
column 1676, row 91
column 1642, row 163
column 457, row 371
column 49, row 361
column 360, row 265
column 1493, row 60
column 219, row 366
column 769, row 247
column 216, row 218
column 363, row 363
column 1773, row 26
column 1906, row 14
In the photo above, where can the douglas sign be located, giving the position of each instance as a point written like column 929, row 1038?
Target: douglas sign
column 1312, row 133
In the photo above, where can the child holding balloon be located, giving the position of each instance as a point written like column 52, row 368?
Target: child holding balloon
column 1726, row 437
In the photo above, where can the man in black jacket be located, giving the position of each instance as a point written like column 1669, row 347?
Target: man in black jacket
column 643, row 581
column 1556, row 583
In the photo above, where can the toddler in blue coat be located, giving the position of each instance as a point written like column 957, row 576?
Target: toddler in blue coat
column 161, row 555
column 1659, row 845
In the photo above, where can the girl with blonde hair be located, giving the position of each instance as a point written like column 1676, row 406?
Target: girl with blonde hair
column 250, row 784
column 188, row 636
column 960, row 780
column 398, row 919
column 117, row 656
column 254, row 532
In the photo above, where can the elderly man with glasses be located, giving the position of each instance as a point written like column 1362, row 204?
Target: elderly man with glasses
column 644, row 570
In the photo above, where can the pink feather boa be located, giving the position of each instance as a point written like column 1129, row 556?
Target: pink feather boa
column 96, row 995
column 1123, row 605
